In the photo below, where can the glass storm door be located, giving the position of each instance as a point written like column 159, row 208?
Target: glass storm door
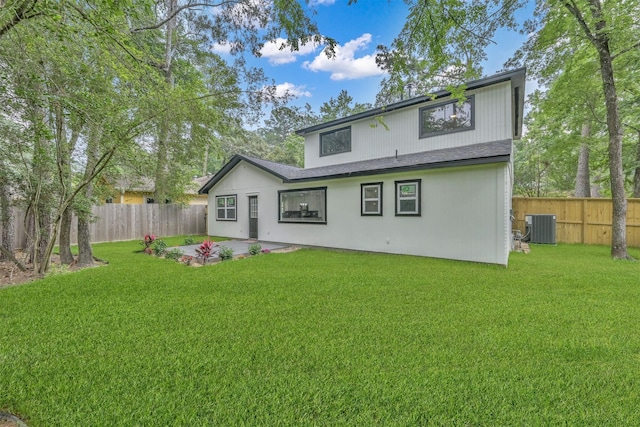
column 253, row 217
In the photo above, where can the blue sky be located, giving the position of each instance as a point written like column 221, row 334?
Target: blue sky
column 358, row 29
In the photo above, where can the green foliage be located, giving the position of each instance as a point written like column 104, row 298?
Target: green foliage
column 189, row 240
column 137, row 85
column 255, row 249
column 174, row 254
column 225, row 253
column 159, row 247
column 341, row 107
column 320, row 337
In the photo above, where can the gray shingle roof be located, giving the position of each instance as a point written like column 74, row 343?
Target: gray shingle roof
column 489, row 152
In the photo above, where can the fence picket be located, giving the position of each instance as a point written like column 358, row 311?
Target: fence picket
column 114, row 222
column 579, row 220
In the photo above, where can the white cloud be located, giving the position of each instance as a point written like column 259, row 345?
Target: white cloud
column 221, row 48
column 289, row 89
column 321, row 2
column 277, row 56
column 345, row 66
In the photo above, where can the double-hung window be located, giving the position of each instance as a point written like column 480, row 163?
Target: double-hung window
column 371, row 195
column 226, row 208
column 447, row 117
column 408, row 198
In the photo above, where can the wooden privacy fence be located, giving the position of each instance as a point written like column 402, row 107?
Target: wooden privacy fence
column 579, row 220
column 115, row 222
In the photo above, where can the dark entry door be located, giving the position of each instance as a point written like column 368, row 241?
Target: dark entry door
column 253, row 217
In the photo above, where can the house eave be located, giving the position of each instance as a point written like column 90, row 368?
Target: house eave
column 229, row 166
column 478, row 154
column 418, row 167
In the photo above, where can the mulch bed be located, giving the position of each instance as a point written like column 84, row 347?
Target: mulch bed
column 11, row 275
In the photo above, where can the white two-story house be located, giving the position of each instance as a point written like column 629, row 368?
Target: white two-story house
column 435, row 179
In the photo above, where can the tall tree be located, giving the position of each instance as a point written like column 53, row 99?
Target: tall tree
column 340, row 106
column 455, row 34
column 279, row 133
column 95, row 62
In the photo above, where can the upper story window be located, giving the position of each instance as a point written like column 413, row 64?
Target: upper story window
column 226, row 208
column 336, row 141
column 447, row 118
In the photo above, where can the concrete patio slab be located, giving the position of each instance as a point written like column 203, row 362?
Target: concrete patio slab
column 240, row 247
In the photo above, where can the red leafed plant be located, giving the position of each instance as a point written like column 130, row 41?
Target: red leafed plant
column 205, row 250
column 147, row 242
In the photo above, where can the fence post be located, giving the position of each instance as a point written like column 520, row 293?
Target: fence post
column 585, row 222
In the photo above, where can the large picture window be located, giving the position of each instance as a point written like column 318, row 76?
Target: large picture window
column 447, row 117
column 336, row 141
column 226, row 208
column 408, row 198
column 371, row 203
column 304, row 205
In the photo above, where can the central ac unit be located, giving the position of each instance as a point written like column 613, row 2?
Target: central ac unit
column 540, row 228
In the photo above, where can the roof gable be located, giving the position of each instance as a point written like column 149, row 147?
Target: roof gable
column 517, row 77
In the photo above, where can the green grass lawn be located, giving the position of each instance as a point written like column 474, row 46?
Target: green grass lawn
column 318, row 337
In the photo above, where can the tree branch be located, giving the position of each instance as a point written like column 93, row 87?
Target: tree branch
column 12, row 258
column 575, row 11
column 176, row 12
column 23, row 12
column 623, row 51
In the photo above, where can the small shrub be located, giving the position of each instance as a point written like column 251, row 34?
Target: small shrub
column 159, row 247
column 255, row 249
column 266, row 251
column 205, row 250
column 147, row 242
column 226, row 253
column 189, row 240
column 186, row 259
column 174, row 254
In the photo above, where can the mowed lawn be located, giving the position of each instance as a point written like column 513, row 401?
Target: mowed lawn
column 320, row 337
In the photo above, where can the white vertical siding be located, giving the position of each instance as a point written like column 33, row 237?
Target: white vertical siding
column 245, row 180
column 463, row 213
column 370, row 139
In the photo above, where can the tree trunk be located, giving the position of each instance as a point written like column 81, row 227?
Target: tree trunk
column 164, row 132
column 7, row 219
column 636, row 175
column 45, row 225
column 85, row 252
column 205, row 163
column 619, row 220
column 66, row 257
column 599, row 38
column 583, row 188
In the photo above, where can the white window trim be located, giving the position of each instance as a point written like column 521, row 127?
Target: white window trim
column 227, row 208
column 417, row 198
column 363, row 199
